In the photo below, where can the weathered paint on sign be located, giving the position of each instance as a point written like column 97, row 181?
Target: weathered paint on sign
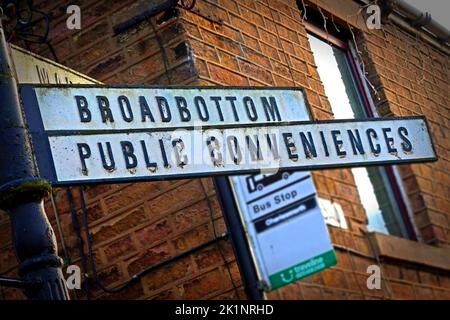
column 87, row 148
column 108, row 108
column 32, row 68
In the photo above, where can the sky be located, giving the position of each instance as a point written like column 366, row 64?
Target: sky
column 439, row 9
column 335, row 89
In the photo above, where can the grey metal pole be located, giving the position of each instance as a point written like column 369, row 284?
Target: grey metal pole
column 237, row 234
column 22, row 193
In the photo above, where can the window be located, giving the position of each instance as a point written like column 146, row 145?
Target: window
column 385, row 212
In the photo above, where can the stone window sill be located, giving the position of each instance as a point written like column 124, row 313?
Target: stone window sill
column 411, row 251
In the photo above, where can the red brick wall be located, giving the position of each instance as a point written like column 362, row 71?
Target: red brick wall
column 135, row 226
column 255, row 43
column 412, row 78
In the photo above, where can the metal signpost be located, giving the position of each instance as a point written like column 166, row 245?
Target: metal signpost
column 93, row 134
column 21, row 190
column 21, row 195
column 98, row 134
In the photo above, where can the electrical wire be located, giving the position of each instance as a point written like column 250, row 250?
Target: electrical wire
column 136, row 277
column 222, row 254
column 304, row 17
column 377, row 257
column 58, row 225
column 80, row 243
column 24, row 28
column 163, row 51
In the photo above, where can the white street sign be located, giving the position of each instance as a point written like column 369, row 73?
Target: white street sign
column 284, row 223
column 147, row 108
column 32, row 68
column 98, row 134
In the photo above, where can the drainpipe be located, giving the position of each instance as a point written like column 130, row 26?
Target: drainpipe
column 420, row 19
column 416, row 22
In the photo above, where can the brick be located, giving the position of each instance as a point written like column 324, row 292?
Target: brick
column 204, row 51
column 442, row 294
column 90, row 36
column 113, row 229
column 402, row 291
column 154, row 232
column 290, row 292
column 225, row 76
column 202, row 68
column 214, row 9
column 178, row 197
column 311, row 292
column 193, row 238
column 171, row 273
column 192, row 215
column 423, row 293
column 256, row 72
column 110, row 275
column 334, row 278
column 132, row 193
column 280, row 7
column 330, row 294
column 140, row 71
column 353, row 282
column 231, row 295
column 94, row 212
column 170, row 294
column 203, row 285
column 251, row 42
column 59, row 31
column 428, row 278
column 228, row 60
column 132, row 292
column 93, row 191
column 252, row 16
column 221, row 42
column 170, row 32
column 127, row 36
column 7, row 259
column 409, row 275
column 208, row 257
column 230, row 5
column 128, row 12
column 143, row 47
column 5, row 234
column 182, row 73
column 149, row 258
column 107, row 66
column 269, row 51
column 256, row 57
column 120, row 247
column 94, row 13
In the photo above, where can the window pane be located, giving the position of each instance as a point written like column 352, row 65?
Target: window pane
column 372, row 184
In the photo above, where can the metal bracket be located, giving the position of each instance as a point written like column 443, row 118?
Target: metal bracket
column 32, row 189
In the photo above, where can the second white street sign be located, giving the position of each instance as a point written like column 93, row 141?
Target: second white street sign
column 79, row 137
